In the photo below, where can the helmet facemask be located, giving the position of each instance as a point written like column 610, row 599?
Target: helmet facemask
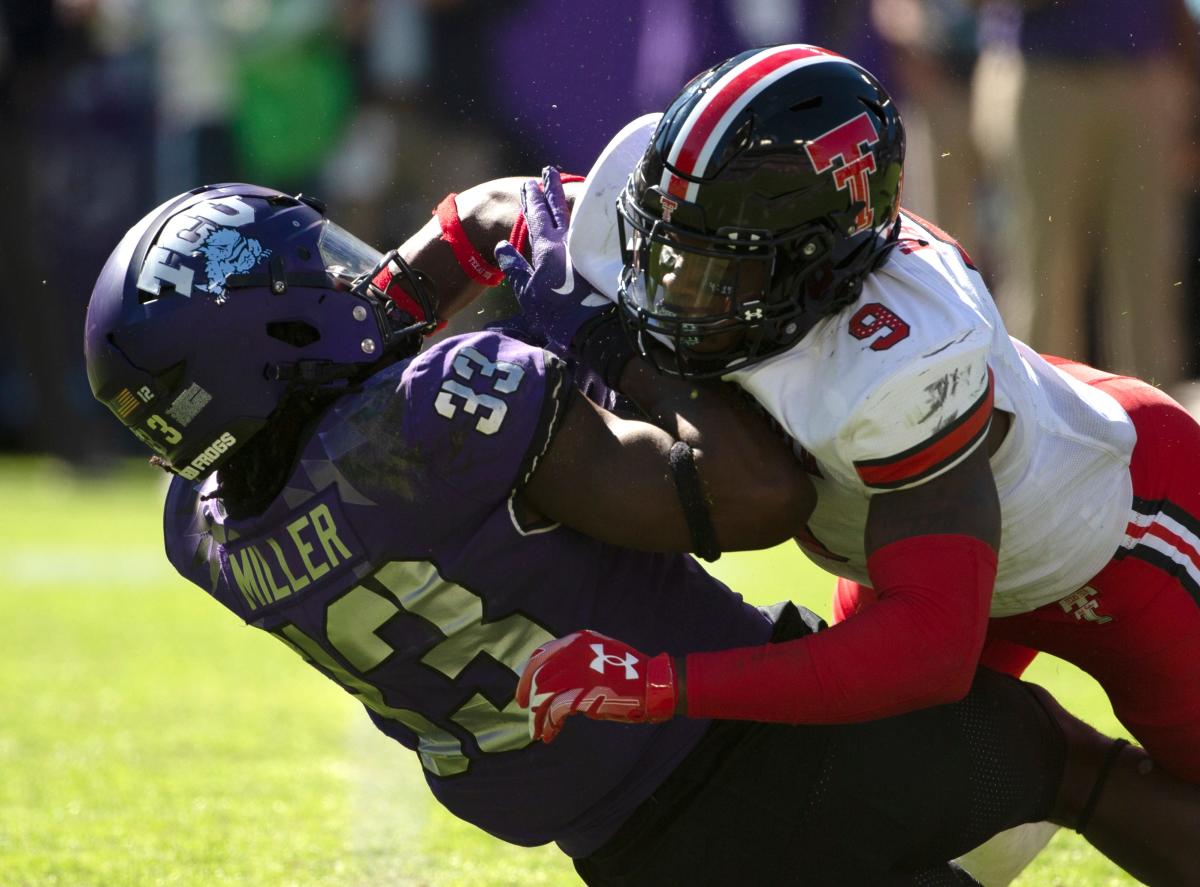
column 728, row 300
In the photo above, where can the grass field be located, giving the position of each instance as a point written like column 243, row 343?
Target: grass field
column 147, row 737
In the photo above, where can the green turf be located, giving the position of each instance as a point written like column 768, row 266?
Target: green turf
column 146, row 737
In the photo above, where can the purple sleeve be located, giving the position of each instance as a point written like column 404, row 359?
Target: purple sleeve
column 482, row 408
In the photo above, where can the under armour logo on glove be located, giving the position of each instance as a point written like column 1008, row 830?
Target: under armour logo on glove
column 602, row 658
column 603, row 678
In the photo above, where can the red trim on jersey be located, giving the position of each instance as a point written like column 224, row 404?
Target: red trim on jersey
column 916, row 646
column 722, row 100
column 1184, row 547
column 950, row 443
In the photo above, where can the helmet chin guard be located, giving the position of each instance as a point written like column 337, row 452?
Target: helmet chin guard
column 223, row 300
column 770, row 189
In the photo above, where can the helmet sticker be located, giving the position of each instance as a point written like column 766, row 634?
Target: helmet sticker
column 188, row 404
column 228, row 252
column 845, row 142
column 207, row 457
column 123, row 404
column 207, row 230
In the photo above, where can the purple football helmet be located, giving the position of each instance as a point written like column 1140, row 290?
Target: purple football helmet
column 224, row 299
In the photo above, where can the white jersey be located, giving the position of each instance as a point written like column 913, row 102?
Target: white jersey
column 898, row 388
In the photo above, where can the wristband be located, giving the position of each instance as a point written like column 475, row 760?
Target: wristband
column 660, row 688
column 469, row 259
column 1110, row 758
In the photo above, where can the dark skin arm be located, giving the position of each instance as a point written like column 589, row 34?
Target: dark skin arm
column 608, row 477
column 1147, row 821
column 487, row 212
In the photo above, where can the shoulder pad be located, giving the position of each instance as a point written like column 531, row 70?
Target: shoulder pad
column 592, row 240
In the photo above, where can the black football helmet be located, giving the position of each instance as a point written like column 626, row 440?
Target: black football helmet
column 770, row 189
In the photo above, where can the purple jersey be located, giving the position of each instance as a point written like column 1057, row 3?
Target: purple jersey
column 395, row 562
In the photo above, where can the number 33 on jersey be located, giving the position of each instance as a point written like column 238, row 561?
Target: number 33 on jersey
column 472, row 369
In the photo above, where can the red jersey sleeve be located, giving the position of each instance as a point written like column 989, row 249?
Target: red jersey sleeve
column 917, row 646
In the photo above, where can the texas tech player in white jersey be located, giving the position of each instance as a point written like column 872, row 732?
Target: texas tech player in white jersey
column 882, row 355
column 898, row 388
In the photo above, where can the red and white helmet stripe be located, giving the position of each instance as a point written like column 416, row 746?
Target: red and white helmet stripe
column 723, row 101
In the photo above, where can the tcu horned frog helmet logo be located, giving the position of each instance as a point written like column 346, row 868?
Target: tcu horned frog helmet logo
column 202, row 238
column 228, row 252
column 845, row 143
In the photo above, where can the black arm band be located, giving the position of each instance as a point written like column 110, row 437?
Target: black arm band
column 1110, row 758
column 602, row 346
column 691, row 497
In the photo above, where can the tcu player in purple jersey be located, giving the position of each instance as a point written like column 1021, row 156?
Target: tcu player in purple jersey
column 393, row 517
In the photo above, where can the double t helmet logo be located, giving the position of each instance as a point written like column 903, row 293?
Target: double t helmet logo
column 845, row 142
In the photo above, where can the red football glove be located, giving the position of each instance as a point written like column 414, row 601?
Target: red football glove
column 604, row 678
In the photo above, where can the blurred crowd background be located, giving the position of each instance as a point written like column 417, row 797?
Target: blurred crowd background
column 1056, row 139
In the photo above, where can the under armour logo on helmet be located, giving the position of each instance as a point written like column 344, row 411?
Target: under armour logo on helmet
column 602, row 659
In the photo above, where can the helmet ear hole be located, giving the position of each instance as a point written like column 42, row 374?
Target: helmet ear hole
column 293, row 332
